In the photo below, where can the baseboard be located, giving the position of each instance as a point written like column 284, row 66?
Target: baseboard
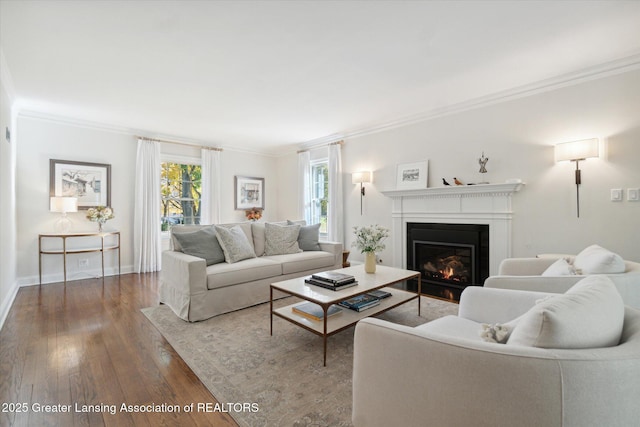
column 72, row 276
column 8, row 303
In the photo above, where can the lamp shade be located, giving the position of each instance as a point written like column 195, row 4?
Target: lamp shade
column 360, row 177
column 63, row 204
column 577, row 150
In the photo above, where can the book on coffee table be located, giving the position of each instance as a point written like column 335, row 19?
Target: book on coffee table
column 326, row 285
column 314, row 311
column 333, row 277
column 360, row 302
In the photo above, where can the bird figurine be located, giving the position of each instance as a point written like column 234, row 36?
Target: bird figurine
column 444, row 181
column 457, row 181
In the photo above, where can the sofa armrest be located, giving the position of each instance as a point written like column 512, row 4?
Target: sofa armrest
column 486, row 305
column 551, row 284
column 524, row 266
column 406, row 377
column 186, row 274
column 335, row 248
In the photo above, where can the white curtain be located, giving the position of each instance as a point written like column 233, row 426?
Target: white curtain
column 147, row 245
column 210, row 201
column 335, row 221
column 304, row 185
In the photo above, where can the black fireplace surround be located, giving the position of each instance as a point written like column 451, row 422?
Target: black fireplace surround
column 450, row 257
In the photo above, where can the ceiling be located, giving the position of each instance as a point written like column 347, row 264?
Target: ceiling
column 268, row 75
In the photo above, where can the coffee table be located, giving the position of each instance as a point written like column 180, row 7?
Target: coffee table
column 383, row 277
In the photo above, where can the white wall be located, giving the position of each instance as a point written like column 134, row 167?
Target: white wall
column 43, row 139
column 518, row 137
column 8, row 284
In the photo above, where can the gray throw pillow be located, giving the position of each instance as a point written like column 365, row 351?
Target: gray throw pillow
column 202, row 244
column 235, row 244
column 309, row 236
column 281, row 239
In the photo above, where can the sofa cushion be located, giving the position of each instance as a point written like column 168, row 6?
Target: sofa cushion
column 309, row 236
column 598, row 260
column 182, row 228
column 589, row 315
column 221, row 275
column 202, row 244
column 303, row 261
column 561, row 267
column 234, row 243
column 281, row 239
column 257, row 229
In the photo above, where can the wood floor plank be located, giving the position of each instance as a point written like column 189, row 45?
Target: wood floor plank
column 88, row 344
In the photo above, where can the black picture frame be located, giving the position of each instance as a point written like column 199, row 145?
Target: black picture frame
column 89, row 182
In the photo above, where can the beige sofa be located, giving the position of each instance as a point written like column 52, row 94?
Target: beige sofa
column 195, row 291
column 526, row 274
column 442, row 374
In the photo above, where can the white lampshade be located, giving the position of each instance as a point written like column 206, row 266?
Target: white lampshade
column 63, row 204
column 360, row 177
column 577, row 150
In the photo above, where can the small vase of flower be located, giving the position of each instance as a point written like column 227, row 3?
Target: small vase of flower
column 253, row 214
column 100, row 214
column 369, row 240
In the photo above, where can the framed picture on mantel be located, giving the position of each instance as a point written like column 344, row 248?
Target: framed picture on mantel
column 412, row 176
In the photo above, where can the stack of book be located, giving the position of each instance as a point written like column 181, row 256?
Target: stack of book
column 360, row 302
column 332, row 280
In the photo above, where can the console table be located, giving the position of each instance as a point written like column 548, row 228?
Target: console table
column 69, row 236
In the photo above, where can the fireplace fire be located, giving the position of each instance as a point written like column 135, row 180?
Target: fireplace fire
column 450, row 257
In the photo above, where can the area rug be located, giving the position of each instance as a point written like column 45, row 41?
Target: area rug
column 281, row 376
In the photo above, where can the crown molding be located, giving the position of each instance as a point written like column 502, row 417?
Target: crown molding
column 606, row 69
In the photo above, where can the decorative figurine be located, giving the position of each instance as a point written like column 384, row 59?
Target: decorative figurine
column 483, row 163
column 457, row 181
column 444, row 181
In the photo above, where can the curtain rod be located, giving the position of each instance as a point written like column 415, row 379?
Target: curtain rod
column 341, row 142
column 144, row 138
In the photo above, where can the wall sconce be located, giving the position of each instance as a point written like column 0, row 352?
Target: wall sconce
column 361, row 178
column 63, row 205
column 575, row 151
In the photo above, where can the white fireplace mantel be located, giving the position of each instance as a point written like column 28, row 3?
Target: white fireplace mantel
column 469, row 204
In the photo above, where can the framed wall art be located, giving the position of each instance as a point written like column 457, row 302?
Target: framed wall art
column 412, row 175
column 249, row 192
column 89, row 182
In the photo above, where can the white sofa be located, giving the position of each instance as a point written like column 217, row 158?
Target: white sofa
column 442, row 374
column 526, row 274
column 195, row 291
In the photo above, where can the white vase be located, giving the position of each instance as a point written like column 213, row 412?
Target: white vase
column 370, row 262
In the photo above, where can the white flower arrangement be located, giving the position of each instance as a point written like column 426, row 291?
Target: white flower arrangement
column 370, row 238
column 100, row 214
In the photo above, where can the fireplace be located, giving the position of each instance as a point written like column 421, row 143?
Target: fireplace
column 449, row 257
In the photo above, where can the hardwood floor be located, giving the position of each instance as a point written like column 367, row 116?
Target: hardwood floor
column 87, row 343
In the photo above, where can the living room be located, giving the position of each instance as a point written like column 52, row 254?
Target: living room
column 515, row 118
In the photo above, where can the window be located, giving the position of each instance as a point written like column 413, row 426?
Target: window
column 319, row 193
column 180, row 192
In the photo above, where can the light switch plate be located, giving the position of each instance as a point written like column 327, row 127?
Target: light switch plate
column 633, row 194
column 616, row 194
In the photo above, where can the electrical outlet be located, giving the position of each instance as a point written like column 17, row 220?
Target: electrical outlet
column 84, row 262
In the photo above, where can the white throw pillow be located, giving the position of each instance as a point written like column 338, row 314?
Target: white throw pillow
column 598, row 260
column 561, row 267
column 589, row 315
column 234, row 243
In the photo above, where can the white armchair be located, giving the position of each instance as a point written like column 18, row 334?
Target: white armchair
column 443, row 374
column 526, row 274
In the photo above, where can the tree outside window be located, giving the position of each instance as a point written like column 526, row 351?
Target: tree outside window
column 180, row 191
